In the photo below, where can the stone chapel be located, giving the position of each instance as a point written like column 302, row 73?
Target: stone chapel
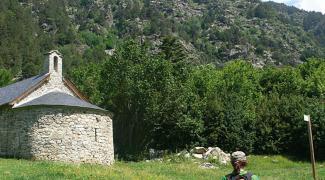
column 45, row 117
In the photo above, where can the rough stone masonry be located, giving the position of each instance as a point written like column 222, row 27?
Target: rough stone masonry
column 45, row 118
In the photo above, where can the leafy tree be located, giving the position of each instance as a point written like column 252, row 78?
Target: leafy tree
column 230, row 107
column 194, row 28
column 173, row 51
column 72, row 58
column 263, row 10
column 316, row 108
column 87, row 79
column 281, row 81
column 309, row 53
column 19, row 45
column 312, row 19
column 5, row 77
column 148, row 100
column 90, row 38
column 54, row 15
column 122, row 80
column 313, row 73
column 279, row 124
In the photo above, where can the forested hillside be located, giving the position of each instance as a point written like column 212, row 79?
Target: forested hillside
column 210, row 31
column 162, row 68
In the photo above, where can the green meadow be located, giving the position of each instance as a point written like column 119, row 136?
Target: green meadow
column 266, row 167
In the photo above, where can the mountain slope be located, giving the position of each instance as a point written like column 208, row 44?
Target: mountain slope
column 211, row 31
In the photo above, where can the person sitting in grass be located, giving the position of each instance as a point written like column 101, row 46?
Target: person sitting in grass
column 238, row 162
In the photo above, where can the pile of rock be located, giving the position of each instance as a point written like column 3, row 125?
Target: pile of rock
column 203, row 153
column 184, row 153
column 211, row 153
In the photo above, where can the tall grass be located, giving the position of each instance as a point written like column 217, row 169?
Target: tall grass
column 266, row 167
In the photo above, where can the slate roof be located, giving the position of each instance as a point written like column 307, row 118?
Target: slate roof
column 13, row 91
column 59, row 99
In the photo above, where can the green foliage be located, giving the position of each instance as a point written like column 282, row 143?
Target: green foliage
column 90, row 38
column 263, row 10
column 19, row 45
column 5, row 77
column 230, row 107
column 279, row 125
column 282, row 81
column 313, row 73
column 315, row 23
column 232, row 35
column 148, row 99
column 126, row 89
column 159, row 101
column 259, row 50
column 312, row 20
column 237, row 107
column 87, row 79
column 53, row 14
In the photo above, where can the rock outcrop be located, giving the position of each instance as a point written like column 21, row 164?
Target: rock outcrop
column 214, row 153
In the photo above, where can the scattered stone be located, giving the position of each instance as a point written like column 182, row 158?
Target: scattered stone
column 110, row 52
column 199, row 156
column 155, row 160
column 184, row 153
column 159, row 159
column 207, row 166
column 187, row 155
column 198, row 150
column 217, row 154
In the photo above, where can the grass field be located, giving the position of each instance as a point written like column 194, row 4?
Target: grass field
column 271, row 167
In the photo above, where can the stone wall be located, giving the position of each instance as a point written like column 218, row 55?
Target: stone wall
column 57, row 133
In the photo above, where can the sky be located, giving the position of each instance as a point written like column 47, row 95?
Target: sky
column 309, row 5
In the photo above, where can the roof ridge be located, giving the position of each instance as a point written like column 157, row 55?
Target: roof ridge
column 74, row 89
column 30, row 90
column 57, row 98
column 33, row 77
column 15, row 91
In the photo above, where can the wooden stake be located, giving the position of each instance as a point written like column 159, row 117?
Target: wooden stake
column 312, row 157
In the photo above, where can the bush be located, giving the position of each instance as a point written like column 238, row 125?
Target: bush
column 5, row 77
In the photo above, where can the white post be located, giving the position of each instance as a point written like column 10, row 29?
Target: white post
column 312, row 156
